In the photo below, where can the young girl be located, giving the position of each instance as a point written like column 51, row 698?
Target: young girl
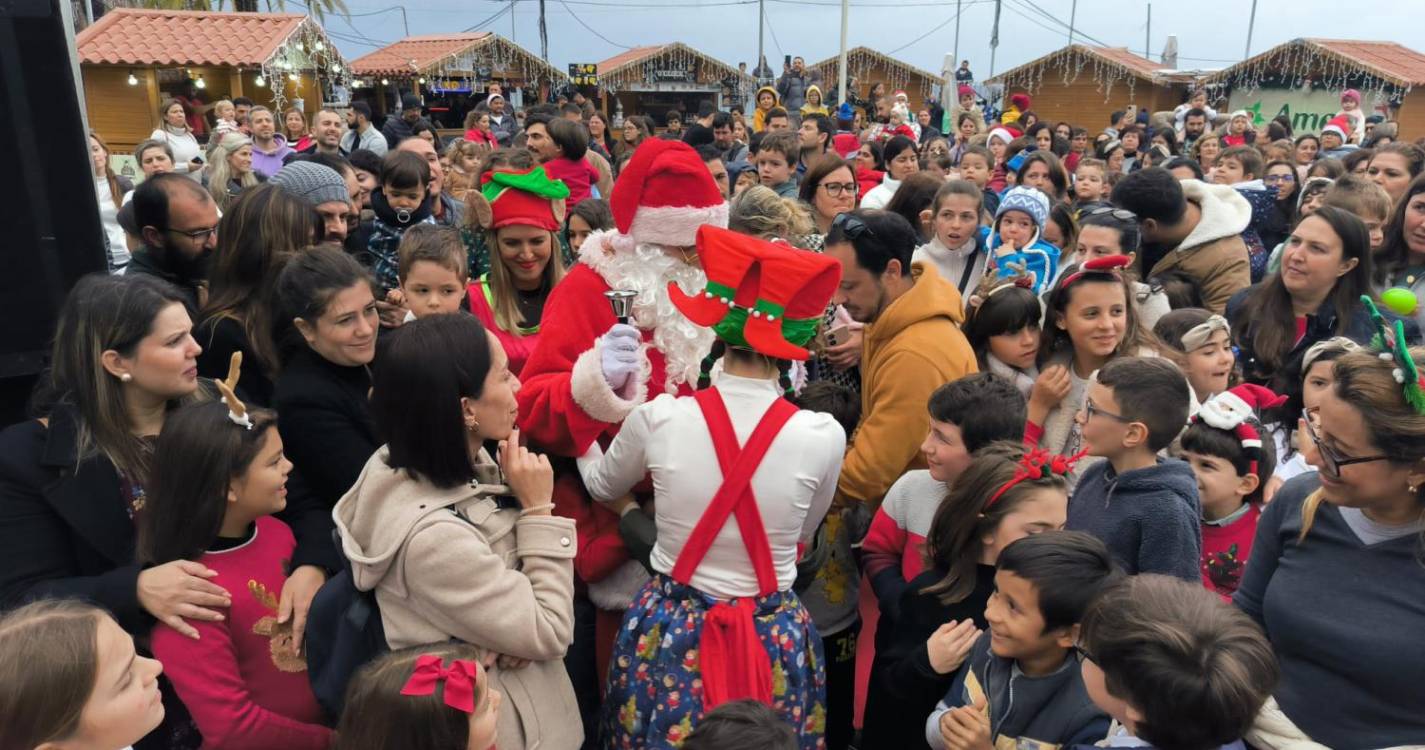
column 1200, row 344
column 435, row 697
column 477, row 129
column 219, row 475
column 942, row 611
column 1106, row 231
column 566, row 162
column 1092, row 317
column 1239, row 130
column 814, row 105
column 586, row 217
column 1232, row 456
column 1318, row 377
column 1015, row 241
column 464, row 156
column 73, row 679
column 955, row 247
column 1002, row 326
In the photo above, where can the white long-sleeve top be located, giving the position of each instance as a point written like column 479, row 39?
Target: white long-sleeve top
column 668, row 438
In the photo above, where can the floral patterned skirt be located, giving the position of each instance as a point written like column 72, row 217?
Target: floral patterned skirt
column 655, row 689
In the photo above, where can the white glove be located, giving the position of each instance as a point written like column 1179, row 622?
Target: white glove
column 619, row 355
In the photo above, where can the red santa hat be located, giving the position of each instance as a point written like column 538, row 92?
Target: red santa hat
column 1339, row 125
column 664, row 194
column 1230, row 412
column 1019, row 101
column 846, row 144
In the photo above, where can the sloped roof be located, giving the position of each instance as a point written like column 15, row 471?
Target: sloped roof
column 1120, row 58
column 828, row 66
column 623, row 61
column 1393, row 63
column 129, row 36
column 430, row 52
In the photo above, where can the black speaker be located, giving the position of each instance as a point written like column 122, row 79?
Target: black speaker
column 49, row 216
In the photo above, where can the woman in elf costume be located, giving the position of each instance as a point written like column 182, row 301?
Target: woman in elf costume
column 520, row 213
column 719, row 621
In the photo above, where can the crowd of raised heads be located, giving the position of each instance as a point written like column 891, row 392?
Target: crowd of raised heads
column 379, row 435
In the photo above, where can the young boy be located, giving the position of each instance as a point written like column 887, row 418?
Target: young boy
column 742, row 725
column 1232, row 456
column 1020, row 684
column 976, row 164
column 434, row 271
column 776, row 162
column 402, row 201
column 1015, row 239
column 965, row 415
column 1089, row 185
column 1145, row 508
column 1147, row 639
column 1364, row 198
column 1238, row 165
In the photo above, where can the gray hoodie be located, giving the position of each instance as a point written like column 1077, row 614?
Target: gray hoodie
column 1150, row 518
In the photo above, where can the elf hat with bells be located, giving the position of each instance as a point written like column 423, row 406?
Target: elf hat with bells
column 519, row 198
column 760, row 295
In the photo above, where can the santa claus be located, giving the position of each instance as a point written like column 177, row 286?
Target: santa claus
column 590, row 370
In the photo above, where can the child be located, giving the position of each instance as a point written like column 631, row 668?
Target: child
column 219, row 475
column 741, row 725
column 1089, row 185
column 433, row 271
column 434, row 697
column 402, row 201
column 814, row 105
column 566, row 162
column 73, row 679
column 1020, row 685
column 1014, row 240
column 940, row 164
column 955, row 246
column 1147, row 642
column 766, row 98
column 1002, row 325
column 1231, row 454
column 942, row 611
column 776, row 163
column 1355, row 119
column 965, row 415
column 586, row 217
column 1367, row 200
column 1145, row 508
column 1239, row 130
column 1239, row 166
column 1200, row 344
column 1242, row 168
column 976, row 164
column 1318, row 378
column 1104, row 232
column 224, row 120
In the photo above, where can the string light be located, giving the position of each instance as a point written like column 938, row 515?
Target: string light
column 1065, row 67
column 304, row 49
column 260, row 81
column 675, row 56
column 200, row 83
column 1301, row 63
column 385, row 82
column 863, row 63
column 133, row 79
column 490, row 52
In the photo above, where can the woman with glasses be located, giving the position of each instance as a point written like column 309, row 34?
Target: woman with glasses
column 1279, row 176
column 828, row 188
column 1326, row 267
column 1335, row 577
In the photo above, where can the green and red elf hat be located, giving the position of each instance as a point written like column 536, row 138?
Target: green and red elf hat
column 526, row 198
column 760, row 295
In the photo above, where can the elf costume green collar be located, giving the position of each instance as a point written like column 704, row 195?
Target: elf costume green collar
column 763, row 296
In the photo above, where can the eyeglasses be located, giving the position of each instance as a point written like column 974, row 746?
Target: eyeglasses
column 1332, row 460
column 197, row 235
column 835, row 189
column 1122, row 214
column 852, row 226
column 1081, row 654
column 1090, row 410
column 1273, row 179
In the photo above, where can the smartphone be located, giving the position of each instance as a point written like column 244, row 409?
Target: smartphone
column 836, row 336
column 787, row 60
column 197, row 160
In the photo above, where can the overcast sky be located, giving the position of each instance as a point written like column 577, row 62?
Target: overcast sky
column 1211, row 33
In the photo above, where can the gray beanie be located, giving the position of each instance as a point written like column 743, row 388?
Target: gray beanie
column 313, row 183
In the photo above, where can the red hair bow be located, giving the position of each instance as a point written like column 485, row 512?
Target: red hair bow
column 1113, row 264
column 1037, row 464
column 459, row 679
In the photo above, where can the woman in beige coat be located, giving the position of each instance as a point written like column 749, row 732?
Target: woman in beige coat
column 455, row 546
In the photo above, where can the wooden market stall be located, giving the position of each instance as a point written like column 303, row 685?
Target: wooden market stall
column 1084, row 85
column 654, row 80
column 131, row 60
column 453, row 73
column 1304, row 78
column 866, row 67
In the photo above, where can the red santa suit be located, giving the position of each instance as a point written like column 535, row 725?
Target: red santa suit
column 663, row 196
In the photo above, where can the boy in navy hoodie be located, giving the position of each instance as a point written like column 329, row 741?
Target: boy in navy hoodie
column 1175, row 667
column 1145, row 508
column 1020, row 684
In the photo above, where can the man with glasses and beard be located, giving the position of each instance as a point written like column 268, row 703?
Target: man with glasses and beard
column 179, row 224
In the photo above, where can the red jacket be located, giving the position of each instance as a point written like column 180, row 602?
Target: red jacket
column 865, row 180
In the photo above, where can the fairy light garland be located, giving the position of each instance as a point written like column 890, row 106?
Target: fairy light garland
column 1065, row 67
column 492, row 52
column 1302, row 63
column 862, row 64
column 306, row 48
column 676, row 56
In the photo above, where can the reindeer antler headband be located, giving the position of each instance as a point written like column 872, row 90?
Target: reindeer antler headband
column 237, row 411
column 1394, row 348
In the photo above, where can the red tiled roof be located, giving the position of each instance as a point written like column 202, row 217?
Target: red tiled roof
column 1386, row 59
column 637, row 54
column 1122, row 56
column 128, row 36
column 415, row 53
column 1135, row 65
column 828, row 67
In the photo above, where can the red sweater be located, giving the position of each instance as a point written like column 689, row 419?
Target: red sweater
column 1225, row 550
column 578, row 175
column 239, row 680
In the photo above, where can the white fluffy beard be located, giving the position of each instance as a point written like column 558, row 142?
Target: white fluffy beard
column 646, row 269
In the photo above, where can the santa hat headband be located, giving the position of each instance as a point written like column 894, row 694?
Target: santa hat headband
column 1233, row 410
column 1337, row 125
column 1004, row 134
column 1199, row 335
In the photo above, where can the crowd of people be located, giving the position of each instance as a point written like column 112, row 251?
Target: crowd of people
column 797, row 427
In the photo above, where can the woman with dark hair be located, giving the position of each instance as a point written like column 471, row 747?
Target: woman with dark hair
column 1307, row 147
column 1400, row 262
column 425, row 131
column 1280, row 176
column 913, row 201
column 1325, row 268
column 456, row 546
column 261, row 231
column 601, row 136
column 110, row 189
column 711, row 614
column 174, row 131
column 1042, row 170
column 1393, row 166
column 635, row 131
column 828, row 188
column 901, row 162
column 321, row 394
column 870, row 167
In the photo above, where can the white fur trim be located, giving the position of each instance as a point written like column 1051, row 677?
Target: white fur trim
column 617, row 590
column 1225, row 411
column 593, row 394
column 675, row 225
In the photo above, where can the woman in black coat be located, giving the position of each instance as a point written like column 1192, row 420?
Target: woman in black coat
column 322, row 394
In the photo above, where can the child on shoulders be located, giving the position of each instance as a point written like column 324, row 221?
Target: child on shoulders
column 402, row 201
column 1016, row 238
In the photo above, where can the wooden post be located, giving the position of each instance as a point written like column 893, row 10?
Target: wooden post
column 234, row 82
column 150, row 82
